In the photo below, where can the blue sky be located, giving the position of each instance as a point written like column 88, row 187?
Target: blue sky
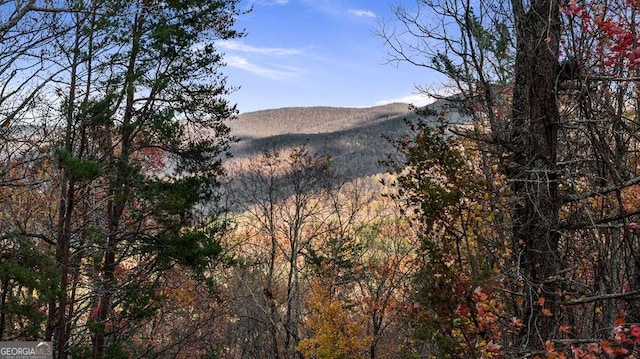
column 317, row 53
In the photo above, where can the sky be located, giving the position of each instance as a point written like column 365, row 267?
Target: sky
column 317, row 53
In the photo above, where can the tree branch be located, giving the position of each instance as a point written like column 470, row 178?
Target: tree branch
column 611, row 78
column 601, row 191
column 625, row 295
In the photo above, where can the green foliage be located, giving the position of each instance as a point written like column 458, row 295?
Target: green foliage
column 171, row 204
column 194, row 248
column 139, row 302
column 442, row 63
column 429, row 172
column 115, row 351
column 28, row 281
column 338, row 258
column 437, row 302
column 78, row 169
column 436, row 180
column 495, row 40
column 99, row 111
column 143, row 110
column 171, row 198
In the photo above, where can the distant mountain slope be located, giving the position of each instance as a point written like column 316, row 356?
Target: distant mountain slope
column 354, row 137
column 297, row 120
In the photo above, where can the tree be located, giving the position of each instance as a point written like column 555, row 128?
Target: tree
column 133, row 102
column 337, row 334
column 302, row 242
column 285, row 196
column 156, row 97
column 546, row 87
column 456, row 299
column 27, row 32
column 387, row 267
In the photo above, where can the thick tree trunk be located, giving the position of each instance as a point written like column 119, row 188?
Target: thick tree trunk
column 533, row 168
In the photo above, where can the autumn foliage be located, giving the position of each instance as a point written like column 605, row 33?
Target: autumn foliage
column 507, row 226
column 335, row 332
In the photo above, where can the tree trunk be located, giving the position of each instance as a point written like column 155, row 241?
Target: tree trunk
column 3, row 306
column 66, row 206
column 273, row 314
column 62, row 260
column 532, row 170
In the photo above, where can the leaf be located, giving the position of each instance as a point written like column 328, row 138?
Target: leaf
column 515, row 322
column 493, row 347
column 541, row 301
column 549, row 346
column 546, row 312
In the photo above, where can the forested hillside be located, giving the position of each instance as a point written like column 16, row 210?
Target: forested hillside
column 357, row 139
column 310, row 120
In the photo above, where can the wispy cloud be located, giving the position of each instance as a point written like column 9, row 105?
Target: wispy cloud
column 261, row 60
column 362, row 13
column 270, row 2
column 414, row 99
column 242, row 47
column 274, row 72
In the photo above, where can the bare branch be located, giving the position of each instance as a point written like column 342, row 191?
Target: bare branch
column 625, row 295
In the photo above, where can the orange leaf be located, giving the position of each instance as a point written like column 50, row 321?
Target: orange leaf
column 593, row 348
column 549, row 346
column 547, row 313
column 541, row 301
column 516, row 322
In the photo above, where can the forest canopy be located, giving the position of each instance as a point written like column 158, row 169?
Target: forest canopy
column 125, row 231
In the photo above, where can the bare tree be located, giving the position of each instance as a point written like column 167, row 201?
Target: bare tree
column 285, row 196
column 557, row 122
column 299, row 226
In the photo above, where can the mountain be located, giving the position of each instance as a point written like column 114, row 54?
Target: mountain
column 310, row 120
column 356, row 138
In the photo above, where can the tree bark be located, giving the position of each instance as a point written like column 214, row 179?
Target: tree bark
column 532, row 170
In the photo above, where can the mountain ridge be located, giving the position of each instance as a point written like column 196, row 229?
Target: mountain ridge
column 357, row 139
column 314, row 119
